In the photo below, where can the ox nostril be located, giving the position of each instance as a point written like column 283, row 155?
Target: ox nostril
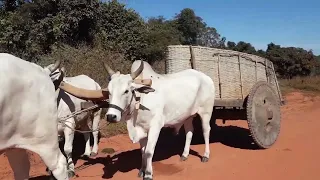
column 111, row 118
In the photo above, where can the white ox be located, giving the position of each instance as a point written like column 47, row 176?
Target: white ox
column 68, row 104
column 28, row 116
column 171, row 101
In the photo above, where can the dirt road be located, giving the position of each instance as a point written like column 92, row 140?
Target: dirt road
column 233, row 156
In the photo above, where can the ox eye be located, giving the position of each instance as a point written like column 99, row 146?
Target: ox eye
column 126, row 91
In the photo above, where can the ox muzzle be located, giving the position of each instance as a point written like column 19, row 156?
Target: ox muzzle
column 112, row 118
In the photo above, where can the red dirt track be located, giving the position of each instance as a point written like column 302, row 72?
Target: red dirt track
column 233, row 156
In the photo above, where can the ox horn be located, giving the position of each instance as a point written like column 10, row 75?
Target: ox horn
column 55, row 66
column 138, row 71
column 108, row 69
column 85, row 94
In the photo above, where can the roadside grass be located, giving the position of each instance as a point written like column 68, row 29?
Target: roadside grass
column 308, row 85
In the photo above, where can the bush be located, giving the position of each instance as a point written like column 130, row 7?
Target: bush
column 121, row 30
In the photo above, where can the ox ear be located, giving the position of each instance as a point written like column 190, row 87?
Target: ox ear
column 141, row 88
column 114, row 75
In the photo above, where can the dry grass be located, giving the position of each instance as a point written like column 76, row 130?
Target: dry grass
column 306, row 84
column 88, row 61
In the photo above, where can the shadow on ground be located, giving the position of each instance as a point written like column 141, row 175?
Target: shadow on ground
column 170, row 145
column 78, row 150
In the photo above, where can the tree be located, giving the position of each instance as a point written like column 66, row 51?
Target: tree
column 36, row 27
column 208, row 37
column 122, row 30
column 222, row 43
column 261, row 53
column 160, row 34
column 231, row 45
column 189, row 25
column 245, row 47
column 291, row 61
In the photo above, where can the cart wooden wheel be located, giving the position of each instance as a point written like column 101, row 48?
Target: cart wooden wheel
column 263, row 114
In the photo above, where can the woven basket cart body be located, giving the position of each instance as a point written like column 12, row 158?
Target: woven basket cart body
column 241, row 80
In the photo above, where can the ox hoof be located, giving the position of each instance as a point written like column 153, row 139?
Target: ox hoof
column 141, row 173
column 147, row 178
column 182, row 158
column 93, row 154
column 204, row 159
column 71, row 174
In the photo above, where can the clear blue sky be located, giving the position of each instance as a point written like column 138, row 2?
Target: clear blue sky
column 284, row 22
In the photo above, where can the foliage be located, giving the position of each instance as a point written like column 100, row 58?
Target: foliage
column 40, row 26
column 241, row 46
column 209, row 37
column 160, row 34
column 189, row 25
column 86, row 60
column 291, row 61
column 121, row 30
column 37, row 27
column 195, row 31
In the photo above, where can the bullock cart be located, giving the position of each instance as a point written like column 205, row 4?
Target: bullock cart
column 243, row 81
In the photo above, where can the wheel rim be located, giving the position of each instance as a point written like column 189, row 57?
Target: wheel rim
column 263, row 115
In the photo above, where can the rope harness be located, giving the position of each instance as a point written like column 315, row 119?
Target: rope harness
column 136, row 95
column 64, row 119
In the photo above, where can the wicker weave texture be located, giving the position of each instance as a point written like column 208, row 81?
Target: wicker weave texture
column 234, row 73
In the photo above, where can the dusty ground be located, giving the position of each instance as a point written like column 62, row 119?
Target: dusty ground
column 294, row 156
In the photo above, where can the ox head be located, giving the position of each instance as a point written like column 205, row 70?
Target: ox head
column 122, row 89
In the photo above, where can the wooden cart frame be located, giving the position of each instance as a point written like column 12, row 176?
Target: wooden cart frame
column 242, row 81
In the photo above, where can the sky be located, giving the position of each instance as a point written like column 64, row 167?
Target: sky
column 259, row 22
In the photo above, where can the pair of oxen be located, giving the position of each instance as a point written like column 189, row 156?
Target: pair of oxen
column 145, row 100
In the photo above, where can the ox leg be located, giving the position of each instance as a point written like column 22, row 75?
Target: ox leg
column 19, row 162
column 87, row 151
column 143, row 143
column 69, row 136
column 95, row 133
column 188, row 126
column 53, row 158
column 205, row 118
column 153, row 136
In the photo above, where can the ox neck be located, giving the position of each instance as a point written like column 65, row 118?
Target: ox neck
column 133, row 106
